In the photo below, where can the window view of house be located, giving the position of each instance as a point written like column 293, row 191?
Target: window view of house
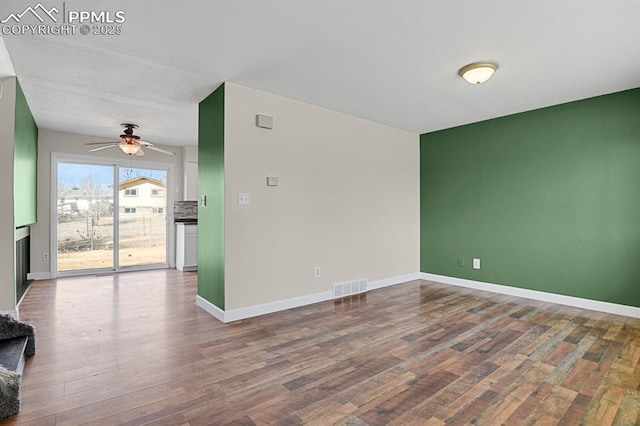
column 143, row 226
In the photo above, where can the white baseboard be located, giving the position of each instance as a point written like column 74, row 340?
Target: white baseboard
column 262, row 309
column 373, row 285
column 595, row 305
column 39, row 276
column 279, row 305
column 294, row 302
column 210, row 308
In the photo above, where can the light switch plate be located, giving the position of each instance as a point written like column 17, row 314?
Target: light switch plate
column 476, row 263
column 272, row 181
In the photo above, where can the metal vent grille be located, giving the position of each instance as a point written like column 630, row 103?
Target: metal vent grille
column 350, row 287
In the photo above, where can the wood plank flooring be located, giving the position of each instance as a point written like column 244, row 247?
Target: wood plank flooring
column 133, row 349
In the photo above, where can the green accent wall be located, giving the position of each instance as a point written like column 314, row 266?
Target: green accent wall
column 211, row 184
column 25, row 162
column 549, row 199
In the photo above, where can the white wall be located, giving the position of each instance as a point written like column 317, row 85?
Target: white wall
column 347, row 200
column 190, row 153
column 49, row 142
column 7, row 227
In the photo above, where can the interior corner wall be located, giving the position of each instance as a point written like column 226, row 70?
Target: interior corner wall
column 190, row 153
column 347, row 199
column 7, row 228
column 25, row 162
column 547, row 199
column 211, row 178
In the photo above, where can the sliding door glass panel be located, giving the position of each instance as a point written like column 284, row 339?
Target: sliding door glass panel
column 142, row 224
column 84, row 217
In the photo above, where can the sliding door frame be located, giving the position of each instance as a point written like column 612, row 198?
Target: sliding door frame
column 117, row 164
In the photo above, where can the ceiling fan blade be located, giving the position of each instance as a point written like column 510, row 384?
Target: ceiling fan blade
column 102, row 143
column 164, row 151
column 140, row 153
column 145, row 143
column 103, row 147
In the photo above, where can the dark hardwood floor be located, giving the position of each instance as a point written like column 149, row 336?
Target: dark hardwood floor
column 133, row 349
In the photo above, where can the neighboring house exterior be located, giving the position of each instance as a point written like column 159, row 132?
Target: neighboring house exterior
column 141, row 196
column 79, row 202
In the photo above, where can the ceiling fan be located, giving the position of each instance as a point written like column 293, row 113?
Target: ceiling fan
column 130, row 144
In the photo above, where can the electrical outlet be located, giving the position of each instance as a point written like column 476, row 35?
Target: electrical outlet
column 243, row 199
column 45, row 256
column 476, row 263
column 316, row 272
column 461, row 262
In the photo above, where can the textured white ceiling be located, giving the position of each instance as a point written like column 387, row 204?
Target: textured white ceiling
column 393, row 62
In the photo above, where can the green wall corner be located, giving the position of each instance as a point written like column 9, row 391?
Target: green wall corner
column 547, row 199
column 211, row 183
column 25, row 162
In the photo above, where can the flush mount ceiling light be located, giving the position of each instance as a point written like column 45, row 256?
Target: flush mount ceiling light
column 478, row 72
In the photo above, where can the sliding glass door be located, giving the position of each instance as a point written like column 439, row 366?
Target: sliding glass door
column 110, row 218
column 142, row 219
column 84, row 217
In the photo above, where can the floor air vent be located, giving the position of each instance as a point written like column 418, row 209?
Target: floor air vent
column 348, row 288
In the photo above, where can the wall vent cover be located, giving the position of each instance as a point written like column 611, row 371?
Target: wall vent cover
column 349, row 287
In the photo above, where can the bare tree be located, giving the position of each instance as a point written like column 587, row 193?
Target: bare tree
column 97, row 196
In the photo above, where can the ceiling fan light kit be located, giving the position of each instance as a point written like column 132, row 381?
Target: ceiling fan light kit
column 478, row 72
column 129, row 149
column 129, row 143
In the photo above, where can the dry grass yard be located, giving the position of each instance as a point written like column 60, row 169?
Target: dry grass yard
column 142, row 242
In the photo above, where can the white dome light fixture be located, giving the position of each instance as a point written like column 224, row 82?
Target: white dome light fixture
column 129, row 149
column 478, row 72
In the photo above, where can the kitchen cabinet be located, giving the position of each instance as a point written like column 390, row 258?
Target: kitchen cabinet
column 190, row 181
column 187, row 247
